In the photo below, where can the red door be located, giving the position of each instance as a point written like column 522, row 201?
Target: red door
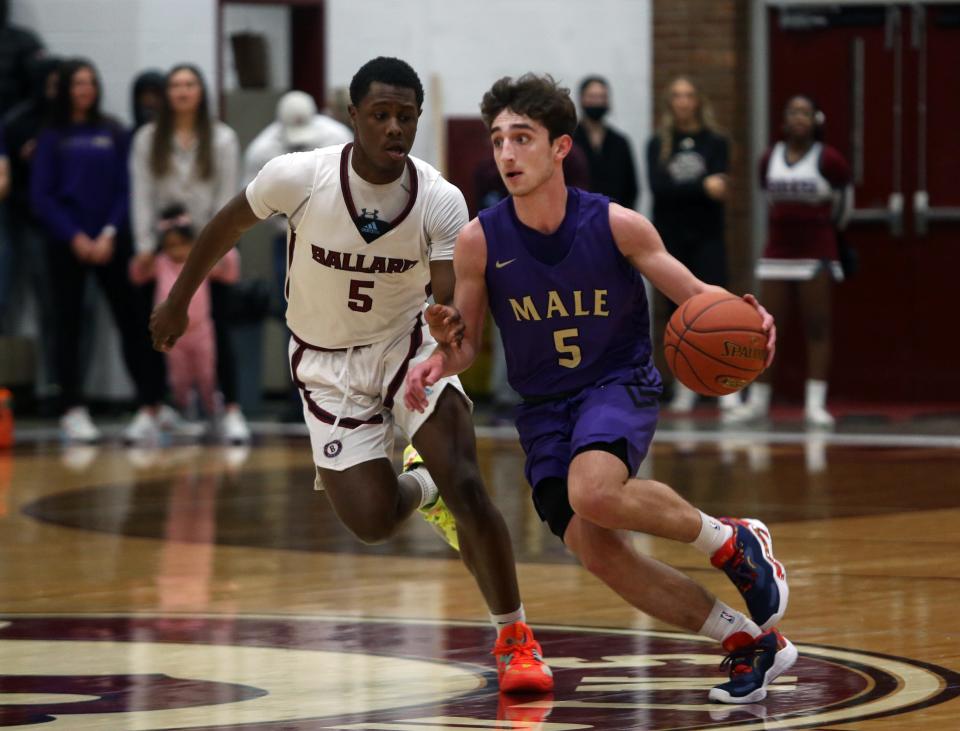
column 887, row 78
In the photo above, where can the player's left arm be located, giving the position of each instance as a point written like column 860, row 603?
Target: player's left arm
column 639, row 242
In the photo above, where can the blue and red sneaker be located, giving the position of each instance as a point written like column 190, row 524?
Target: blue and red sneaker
column 753, row 663
column 747, row 559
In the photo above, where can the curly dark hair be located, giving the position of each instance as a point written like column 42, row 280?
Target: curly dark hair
column 539, row 97
column 386, row 70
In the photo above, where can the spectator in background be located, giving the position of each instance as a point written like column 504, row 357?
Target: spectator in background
column 298, row 127
column 6, row 250
column 187, row 156
column 808, row 188
column 146, row 97
column 28, row 252
column 687, row 164
column 608, row 152
column 191, row 363
column 80, row 193
column 338, row 105
column 18, row 48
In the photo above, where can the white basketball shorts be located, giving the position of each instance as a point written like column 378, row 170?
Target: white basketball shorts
column 353, row 398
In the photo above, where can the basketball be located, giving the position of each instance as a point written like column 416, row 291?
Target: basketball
column 715, row 344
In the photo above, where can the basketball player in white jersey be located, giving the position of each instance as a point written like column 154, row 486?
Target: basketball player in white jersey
column 371, row 234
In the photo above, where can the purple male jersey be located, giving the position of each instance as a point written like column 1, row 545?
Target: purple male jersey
column 572, row 311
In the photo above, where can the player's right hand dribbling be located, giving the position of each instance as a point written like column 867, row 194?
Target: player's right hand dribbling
column 167, row 323
column 446, row 325
column 419, row 379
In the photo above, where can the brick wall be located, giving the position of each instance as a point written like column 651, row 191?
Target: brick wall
column 709, row 40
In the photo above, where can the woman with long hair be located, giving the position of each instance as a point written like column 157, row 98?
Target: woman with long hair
column 687, row 163
column 79, row 190
column 808, row 189
column 187, row 157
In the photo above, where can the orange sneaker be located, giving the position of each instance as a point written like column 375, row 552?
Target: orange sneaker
column 520, row 665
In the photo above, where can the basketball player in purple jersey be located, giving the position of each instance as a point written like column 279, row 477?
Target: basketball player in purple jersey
column 561, row 271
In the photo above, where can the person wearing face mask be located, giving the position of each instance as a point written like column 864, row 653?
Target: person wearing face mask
column 687, row 162
column 608, row 152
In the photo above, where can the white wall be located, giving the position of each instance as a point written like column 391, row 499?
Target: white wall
column 124, row 37
column 468, row 44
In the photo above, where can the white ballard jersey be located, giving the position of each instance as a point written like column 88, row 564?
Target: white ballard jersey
column 344, row 289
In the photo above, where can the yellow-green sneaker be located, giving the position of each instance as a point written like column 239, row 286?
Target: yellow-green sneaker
column 436, row 513
column 441, row 519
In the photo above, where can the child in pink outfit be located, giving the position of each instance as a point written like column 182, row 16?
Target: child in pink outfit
column 192, row 363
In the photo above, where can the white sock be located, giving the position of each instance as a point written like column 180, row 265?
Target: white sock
column 816, row 395
column 428, row 488
column 725, row 621
column 759, row 397
column 503, row 620
column 713, row 534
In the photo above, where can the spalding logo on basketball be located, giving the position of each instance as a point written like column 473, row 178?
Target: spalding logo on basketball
column 715, row 344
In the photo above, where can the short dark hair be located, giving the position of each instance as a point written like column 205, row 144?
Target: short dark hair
column 386, row 70
column 538, row 97
column 594, row 78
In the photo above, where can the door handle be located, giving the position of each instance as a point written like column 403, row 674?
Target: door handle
column 892, row 215
column 923, row 214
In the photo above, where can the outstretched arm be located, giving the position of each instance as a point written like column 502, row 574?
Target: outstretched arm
column 466, row 316
column 169, row 320
column 640, row 243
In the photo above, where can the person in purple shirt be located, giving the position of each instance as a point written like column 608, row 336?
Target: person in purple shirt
column 79, row 191
column 561, row 269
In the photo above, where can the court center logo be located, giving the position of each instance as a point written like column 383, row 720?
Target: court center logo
column 212, row 671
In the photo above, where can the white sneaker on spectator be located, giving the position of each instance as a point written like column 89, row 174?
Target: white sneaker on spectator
column 729, row 402
column 233, row 427
column 683, row 399
column 818, row 417
column 745, row 413
column 171, row 421
column 77, row 426
column 142, row 428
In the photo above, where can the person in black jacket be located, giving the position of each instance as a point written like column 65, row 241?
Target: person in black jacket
column 608, row 152
column 18, row 47
column 687, row 164
column 27, row 266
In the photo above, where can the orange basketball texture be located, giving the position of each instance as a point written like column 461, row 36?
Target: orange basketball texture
column 715, row 344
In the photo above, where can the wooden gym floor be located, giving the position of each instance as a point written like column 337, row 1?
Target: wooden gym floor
column 211, row 588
